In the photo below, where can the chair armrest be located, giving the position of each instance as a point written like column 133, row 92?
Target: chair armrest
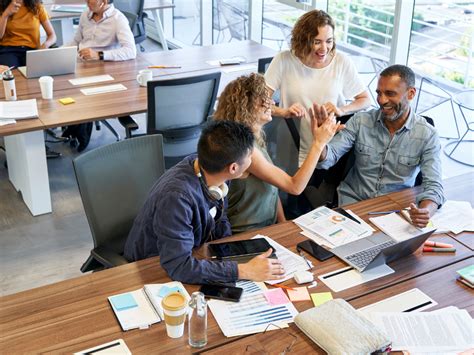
column 107, row 257
column 129, row 124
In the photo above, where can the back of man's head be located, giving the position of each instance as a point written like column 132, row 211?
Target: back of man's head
column 406, row 74
column 223, row 143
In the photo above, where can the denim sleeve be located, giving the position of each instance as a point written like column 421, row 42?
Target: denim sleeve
column 430, row 165
column 174, row 226
column 223, row 227
column 341, row 143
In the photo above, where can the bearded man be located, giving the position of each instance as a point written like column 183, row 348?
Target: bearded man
column 391, row 145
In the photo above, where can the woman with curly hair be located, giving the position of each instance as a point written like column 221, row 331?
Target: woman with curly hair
column 314, row 72
column 254, row 201
column 20, row 22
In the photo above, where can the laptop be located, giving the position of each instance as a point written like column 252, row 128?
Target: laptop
column 52, row 61
column 378, row 249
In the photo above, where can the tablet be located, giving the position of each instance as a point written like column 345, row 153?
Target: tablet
column 240, row 251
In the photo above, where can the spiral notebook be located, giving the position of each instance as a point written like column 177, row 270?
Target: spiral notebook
column 142, row 308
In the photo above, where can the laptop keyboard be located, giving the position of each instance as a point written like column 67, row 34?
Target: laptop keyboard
column 362, row 258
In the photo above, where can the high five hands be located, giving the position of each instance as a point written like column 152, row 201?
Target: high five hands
column 323, row 124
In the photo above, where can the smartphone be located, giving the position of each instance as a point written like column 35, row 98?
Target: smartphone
column 315, row 250
column 220, row 292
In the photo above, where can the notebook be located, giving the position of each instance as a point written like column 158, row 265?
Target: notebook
column 21, row 109
column 142, row 308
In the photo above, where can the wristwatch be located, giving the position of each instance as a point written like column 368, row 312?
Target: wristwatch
column 101, row 55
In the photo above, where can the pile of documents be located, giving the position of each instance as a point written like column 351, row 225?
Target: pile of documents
column 455, row 217
column 332, row 229
column 10, row 111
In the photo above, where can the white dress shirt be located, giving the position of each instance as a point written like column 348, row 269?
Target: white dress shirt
column 111, row 35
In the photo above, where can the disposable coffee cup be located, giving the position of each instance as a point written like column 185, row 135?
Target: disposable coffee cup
column 174, row 309
column 144, row 76
column 46, row 86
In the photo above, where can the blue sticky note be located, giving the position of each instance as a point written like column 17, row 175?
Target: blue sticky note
column 122, row 302
column 165, row 290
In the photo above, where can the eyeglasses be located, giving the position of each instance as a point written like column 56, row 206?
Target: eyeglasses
column 267, row 103
column 259, row 349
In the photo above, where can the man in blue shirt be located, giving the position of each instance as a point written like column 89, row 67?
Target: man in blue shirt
column 391, row 145
column 185, row 209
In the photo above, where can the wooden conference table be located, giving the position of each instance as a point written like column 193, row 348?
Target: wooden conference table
column 25, row 141
column 73, row 315
column 63, row 26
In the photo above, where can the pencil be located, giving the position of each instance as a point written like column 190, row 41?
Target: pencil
column 164, row 67
column 284, row 287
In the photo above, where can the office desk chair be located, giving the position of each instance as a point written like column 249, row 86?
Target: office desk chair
column 133, row 10
column 114, row 182
column 177, row 109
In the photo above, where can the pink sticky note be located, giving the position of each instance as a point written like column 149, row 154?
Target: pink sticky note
column 299, row 294
column 276, row 297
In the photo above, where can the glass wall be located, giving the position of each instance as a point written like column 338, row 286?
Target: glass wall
column 441, row 44
column 230, row 20
column 187, row 22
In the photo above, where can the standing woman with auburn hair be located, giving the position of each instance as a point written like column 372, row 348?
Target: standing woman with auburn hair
column 254, row 201
column 314, row 72
column 20, row 22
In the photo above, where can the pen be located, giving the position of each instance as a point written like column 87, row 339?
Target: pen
column 164, row 67
column 387, row 212
column 430, row 243
column 304, row 257
column 284, row 287
column 438, row 250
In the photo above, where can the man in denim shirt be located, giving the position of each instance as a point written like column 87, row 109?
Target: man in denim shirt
column 391, row 145
column 185, row 209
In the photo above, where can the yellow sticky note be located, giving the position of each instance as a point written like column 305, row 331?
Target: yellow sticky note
column 298, row 294
column 320, row 298
column 67, row 100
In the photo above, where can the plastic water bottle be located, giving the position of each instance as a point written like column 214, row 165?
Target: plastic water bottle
column 9, row 85
column 197, row 320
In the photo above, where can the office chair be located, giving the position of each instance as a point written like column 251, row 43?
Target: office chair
column 114, row 181
column 137, row 25
column 177, row 109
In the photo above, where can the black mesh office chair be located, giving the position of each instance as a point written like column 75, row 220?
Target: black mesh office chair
column 177, row 109
column 114, row 181
column 137, row 25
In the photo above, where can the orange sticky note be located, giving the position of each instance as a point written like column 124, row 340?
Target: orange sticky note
column 276, row 297
column 320, row 298
column 298, row 294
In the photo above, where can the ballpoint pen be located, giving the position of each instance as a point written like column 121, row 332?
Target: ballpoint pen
column 164, row 67
column 387, row 212
column 304, row 257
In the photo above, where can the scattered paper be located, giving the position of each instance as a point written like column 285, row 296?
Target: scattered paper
column 413, row 300
column 276, row 297
column 332, row 226
column 290, row 261
column 91, row 79
column 115, row 347
column 396, row 226
column 298, row 294
column 454, row 216
column 348, row 277
column 320, row 298
column 20, row 109
column 4, row 122
column 103, row 89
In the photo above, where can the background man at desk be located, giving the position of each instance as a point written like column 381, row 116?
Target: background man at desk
column 391, row 145
column 186, row 206
column 103, row 34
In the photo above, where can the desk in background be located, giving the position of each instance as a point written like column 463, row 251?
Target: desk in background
column 73, row 315
column 62, row 21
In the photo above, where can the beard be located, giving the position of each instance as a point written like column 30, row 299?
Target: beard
column 399, row 109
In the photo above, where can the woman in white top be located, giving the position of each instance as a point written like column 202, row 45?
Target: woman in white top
column 314, row 72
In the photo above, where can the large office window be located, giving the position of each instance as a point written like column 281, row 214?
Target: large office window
column 441, row 43
column 230, row 20
column 187, row 22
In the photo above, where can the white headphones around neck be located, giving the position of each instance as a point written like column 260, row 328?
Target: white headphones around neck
column 215, row 193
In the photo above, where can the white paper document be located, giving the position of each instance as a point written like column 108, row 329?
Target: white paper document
column 413, row 300
column 7, row 122
column 91, row 79
column 427, row 332
column 396, row 226
column 291, row 262
column 348, row 277
column 103, row 89
column 454, row 216
column 251, row 314
column 17, row 110
column 234, row 68
column 115, row 347
column 332, row 226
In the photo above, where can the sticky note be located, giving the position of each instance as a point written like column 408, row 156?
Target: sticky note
column 276, row 297
column 67, row 100
column 320, row 298
column 298, row 294
column 164, row 290
column 124, row 301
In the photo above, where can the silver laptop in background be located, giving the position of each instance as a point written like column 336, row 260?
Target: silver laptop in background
column 52, row 61
column 378, row 249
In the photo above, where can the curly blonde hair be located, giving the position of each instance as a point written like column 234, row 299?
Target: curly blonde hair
column 306, row 30
column 240, row 100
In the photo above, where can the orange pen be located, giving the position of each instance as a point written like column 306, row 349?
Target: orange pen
column 285, row 287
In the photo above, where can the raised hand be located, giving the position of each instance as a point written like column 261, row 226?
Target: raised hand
column 295, row 111
column 331, row 108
